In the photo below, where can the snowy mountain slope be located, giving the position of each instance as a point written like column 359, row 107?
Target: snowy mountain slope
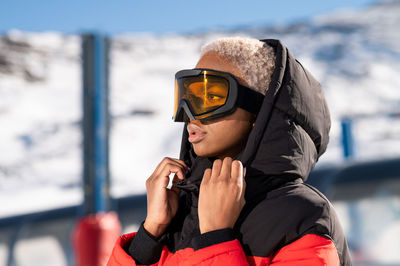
column 354, row 54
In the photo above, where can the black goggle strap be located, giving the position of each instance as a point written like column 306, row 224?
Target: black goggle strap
column 249, row 99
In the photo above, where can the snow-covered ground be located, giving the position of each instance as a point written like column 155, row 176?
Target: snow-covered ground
column 354, row 54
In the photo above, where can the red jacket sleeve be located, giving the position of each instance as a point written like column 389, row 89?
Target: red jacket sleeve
column 118, row 255
column 310, row 250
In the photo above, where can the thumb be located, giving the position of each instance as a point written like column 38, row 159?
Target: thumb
column 174, row 181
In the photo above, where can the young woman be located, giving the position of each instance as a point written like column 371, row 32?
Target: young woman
column 256, row 123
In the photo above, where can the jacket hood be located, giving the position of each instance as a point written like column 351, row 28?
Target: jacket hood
column 291, row 130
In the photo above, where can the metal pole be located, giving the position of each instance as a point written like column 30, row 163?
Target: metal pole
column 95, row 123
column 95, row 233
column 347, row 138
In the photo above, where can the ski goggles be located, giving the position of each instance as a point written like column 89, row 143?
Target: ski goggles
column 207, row 94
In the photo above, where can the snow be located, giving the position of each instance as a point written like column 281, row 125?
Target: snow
column 354, row 54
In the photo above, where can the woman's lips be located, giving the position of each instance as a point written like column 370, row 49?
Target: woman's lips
column 195, row 133
column 196, row 137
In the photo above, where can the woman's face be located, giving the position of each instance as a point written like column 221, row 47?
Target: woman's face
column 226, row 136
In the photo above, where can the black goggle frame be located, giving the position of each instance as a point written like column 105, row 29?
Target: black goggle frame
column 238, row 96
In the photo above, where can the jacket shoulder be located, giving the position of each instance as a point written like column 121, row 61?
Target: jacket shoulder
column 300, row 201
column 285, row 215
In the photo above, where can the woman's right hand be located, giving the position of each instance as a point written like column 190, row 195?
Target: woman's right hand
column 162, row 203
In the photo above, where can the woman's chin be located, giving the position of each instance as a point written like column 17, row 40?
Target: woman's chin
column 201, row 150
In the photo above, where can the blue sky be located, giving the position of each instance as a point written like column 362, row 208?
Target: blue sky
column 121, row 16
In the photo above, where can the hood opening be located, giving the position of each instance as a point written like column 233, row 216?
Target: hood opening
column 291, row 129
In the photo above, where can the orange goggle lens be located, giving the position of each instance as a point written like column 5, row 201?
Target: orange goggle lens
column 204, row 93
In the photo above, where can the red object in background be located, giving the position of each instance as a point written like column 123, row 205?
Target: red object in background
column 94, row 237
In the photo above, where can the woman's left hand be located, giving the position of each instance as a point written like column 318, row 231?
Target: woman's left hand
column 221, row 197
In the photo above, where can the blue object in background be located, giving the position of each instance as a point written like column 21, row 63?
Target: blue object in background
column 347, row 138
column 95, row 49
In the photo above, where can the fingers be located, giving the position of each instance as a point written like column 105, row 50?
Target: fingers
column 175, row 179
column 169, row 168
column 221, row 169
column 237, row 177
column 216, row 168
column 244, row 179
column 237, row 171
column 242, row 199
column 161, row 176
column 206, row 176
column 182, row 163
column 168, row 160
column 226, row 168
column 174, row 188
